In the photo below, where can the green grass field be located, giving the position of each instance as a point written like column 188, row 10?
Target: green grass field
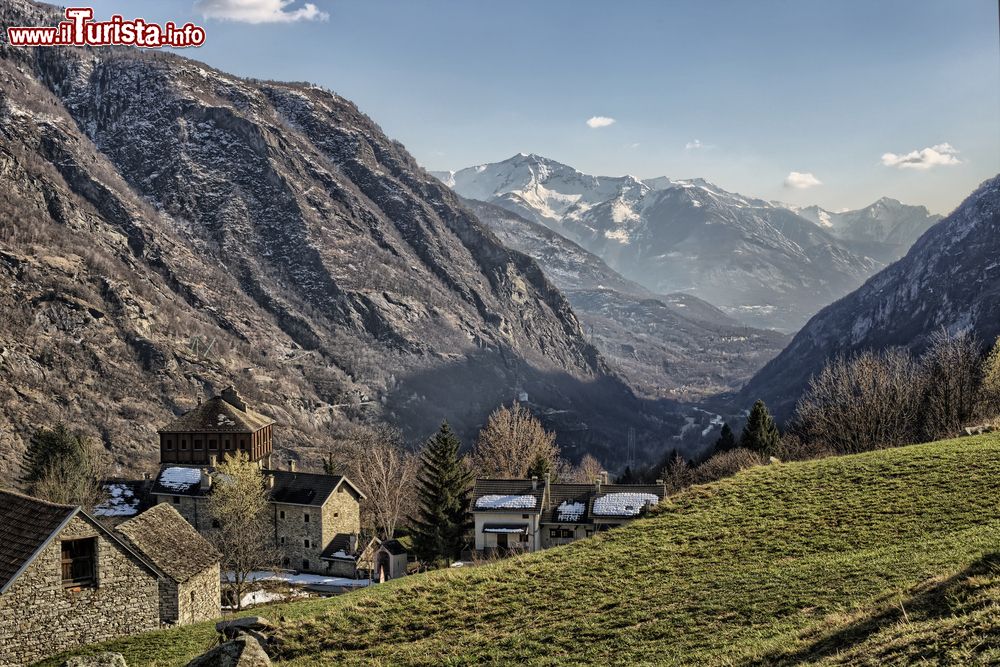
column 883, row 558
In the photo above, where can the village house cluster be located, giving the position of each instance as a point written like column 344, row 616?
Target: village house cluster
column 141, row 559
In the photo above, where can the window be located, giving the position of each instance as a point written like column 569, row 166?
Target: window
column 177, row 500
column 566, row 533
column 78, row 562
column 336, row 514
column 215, row 523
column 305, row 517
column 229, row 444
column 305, row 543
column 589, row 532
column 197, row 443
column 281, row 514
column 553, row 532
column 184, row 443
column 285, row 562
column 169, row 442
column 305, row 564
column 213, row 444
column 524, row 516
column 283, row 543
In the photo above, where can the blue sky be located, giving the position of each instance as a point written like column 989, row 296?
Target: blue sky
column 740, row 93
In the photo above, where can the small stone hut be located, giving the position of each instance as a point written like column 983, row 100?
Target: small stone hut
column 66, row 581
column 191, row 590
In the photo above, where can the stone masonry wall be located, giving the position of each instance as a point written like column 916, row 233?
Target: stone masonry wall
column 292, row 531
column 200, row 597
column 38, row 617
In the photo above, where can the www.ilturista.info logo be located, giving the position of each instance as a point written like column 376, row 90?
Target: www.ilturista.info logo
column 80, row 30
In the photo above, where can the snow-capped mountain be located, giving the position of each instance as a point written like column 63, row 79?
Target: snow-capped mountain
column 887, row 228
column 758, row 261
column 949, row 279
column 673, row 345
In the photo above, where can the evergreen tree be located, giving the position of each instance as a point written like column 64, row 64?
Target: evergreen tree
column 540, row 467
column 726, row 441
column 760, row 433
column 47, row 448
column 443, row 494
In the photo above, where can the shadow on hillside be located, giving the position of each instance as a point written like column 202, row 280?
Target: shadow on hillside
column 930, row 602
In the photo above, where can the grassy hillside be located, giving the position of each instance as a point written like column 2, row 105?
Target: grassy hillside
column 882, row 558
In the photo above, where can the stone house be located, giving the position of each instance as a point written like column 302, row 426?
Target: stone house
column 527, row 515
column 314, row 515
column 66, row 581
column 191, row 589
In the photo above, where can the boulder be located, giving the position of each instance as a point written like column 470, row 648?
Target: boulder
column 97, row 660
column 241, row 652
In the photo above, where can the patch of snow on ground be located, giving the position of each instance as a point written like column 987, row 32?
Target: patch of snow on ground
column 623, row 504
column 302, row 579
column 568, row 511
column 180, row 479
column 493, row 502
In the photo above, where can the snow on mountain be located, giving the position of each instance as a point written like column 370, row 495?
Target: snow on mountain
column 949, row 279
column 887, row 228
column 758, row 261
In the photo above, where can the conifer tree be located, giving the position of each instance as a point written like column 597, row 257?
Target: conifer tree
column 443, row 493
column 726, row 441
column 760, row 433
column 46, row 448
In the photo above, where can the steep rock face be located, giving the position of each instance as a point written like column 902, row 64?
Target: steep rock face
column 175, row 228
column 950, row 279
column 758, row 261
column 672, row 345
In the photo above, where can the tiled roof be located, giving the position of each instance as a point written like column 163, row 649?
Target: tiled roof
column 294, row 488
column 26, row 525
column 508, row 487
column 607, row 489
column 216, row 415
column 569, row 494
column 163, row 536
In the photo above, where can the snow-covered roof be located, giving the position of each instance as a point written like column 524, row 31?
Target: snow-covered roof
column 505, row 528
column 623, row 504
column 121, row 501
column 178, row 478
column 513, row 502
column 570, row 511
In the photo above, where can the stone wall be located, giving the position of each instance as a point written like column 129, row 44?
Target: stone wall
column 39, row 617
column 292, row 531
column 194, row 509
column 200, row 597
column 341, row 514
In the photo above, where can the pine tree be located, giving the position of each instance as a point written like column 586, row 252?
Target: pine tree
column 761, row 433
column 726, row 441
column 46, row 448
column 540, row 467
column 443, row 494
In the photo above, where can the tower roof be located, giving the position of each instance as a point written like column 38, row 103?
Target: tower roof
column 226, row 413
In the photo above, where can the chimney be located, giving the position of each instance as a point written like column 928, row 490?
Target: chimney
column 547, row 494
column 269, row 481
column 206, row 481
column 267, row 461
column 291, row 465
column 213, row 460
column 604, row 477
column 534, row 482
column 597, row 481
column 231, row 396
column 145, row 476
column 352, row 544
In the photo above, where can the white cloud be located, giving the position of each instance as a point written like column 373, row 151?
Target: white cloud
column 635, row 145
column 925, row 158
column 694, row 145
column 599, row 121
column 801, row 181
column 258, row 11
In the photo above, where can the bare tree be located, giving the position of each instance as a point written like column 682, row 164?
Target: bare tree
column 951, row 367
column 585, row 472
column 989, row 395
column 512, row 443
column 65, row 468
column 238, row 505
column 377, row 460
column 861, row 403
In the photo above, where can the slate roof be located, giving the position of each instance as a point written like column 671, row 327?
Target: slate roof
column 164, row 537
column 26, row 526
column 216, row 415
column 508, row 487
column 606, row 489
column 394, row 547
column 294, row 488
column 570, row 493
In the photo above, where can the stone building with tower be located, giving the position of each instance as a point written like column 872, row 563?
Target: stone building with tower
column 315, row 516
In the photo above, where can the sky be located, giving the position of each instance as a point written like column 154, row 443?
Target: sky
column 835, row 103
